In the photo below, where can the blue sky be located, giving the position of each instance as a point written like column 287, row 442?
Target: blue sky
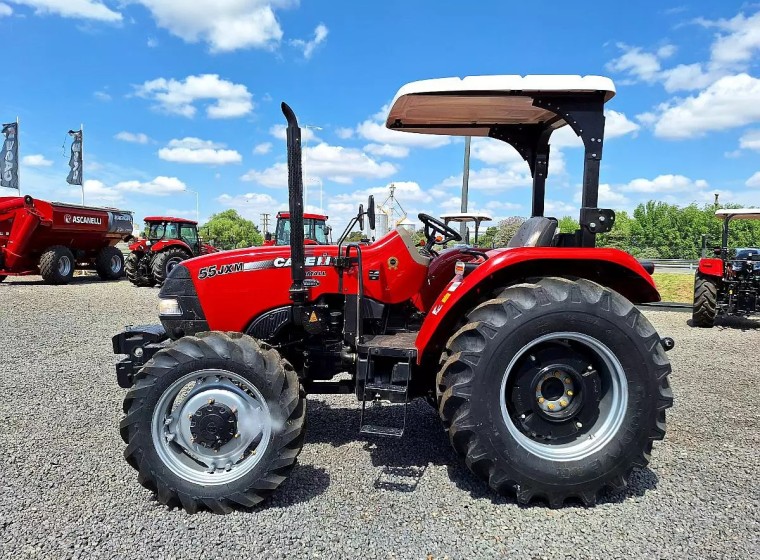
column 178, row 95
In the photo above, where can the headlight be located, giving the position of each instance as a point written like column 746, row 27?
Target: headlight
column 169, row 306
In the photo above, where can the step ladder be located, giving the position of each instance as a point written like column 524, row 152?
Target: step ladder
column 398, row 347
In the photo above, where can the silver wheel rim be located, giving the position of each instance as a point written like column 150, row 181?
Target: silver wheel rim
column 612, row 408
column 64, row 265
column 115, row 264
column 171, row 431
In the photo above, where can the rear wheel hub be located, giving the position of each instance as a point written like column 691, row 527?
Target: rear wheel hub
column 213, row 425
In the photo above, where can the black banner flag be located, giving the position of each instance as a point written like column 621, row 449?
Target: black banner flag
column 9, row 157
column 75, row 162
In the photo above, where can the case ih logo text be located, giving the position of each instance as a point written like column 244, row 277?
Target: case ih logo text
column 281, row 262
column 69, row 219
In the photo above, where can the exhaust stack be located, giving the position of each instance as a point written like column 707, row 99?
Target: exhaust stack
column 298, row 292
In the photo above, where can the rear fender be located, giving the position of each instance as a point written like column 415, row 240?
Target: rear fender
column 711, row 267
column 612, row 268
column 165, row 244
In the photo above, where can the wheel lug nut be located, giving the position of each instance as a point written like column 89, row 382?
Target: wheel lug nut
column 569, row 393
column 567, row 380
column 578, row 425
column 551, row 406
column 211, row 401
column 541, row 400
column 563, row 402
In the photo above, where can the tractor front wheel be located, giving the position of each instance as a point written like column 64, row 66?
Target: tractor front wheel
column 57, row 265
column 705, row 301
column 555, row 390
column 133, row 272
column 109, row 263
column 165, row 261
column 214, row 421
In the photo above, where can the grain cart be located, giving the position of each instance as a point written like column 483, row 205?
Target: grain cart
column 725, row 285
column 53, row 239
column 550, row 382
column 167, row 242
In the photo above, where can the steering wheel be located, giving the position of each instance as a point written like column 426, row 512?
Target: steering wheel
column 433, row 226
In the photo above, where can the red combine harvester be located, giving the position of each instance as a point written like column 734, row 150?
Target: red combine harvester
column 53, row 239
column 315, row 230
column 167, row 242
column 549, row 381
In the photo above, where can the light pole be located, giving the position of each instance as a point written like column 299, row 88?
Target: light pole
column 197, row 209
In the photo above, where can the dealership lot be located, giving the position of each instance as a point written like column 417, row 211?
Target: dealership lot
column 65, row 490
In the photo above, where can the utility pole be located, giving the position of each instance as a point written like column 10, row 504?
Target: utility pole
column 265, row 223
column 465, row 185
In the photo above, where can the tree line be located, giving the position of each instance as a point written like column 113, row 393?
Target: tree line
column 655, row 230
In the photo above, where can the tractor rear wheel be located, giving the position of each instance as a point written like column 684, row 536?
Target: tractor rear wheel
column 133, row 272
column 555, row 390
column 705, row 301
column 109, row 263
column 165, row 261
column 57, row 265
column 214, row 421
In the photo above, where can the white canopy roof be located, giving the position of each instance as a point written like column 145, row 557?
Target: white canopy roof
column 466, row 217
column 739, row 213
column 484, row 101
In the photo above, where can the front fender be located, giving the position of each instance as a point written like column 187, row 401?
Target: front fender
column 711, row 267
column 612, row 268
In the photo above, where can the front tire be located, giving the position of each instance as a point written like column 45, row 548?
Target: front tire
column 165, row 261
column 133, row 272
column 555, row 390
column 57, row 265
column 109, row 263
column 214, row 421
column 705, row 301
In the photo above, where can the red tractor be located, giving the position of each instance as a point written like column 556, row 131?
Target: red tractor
column 315, row 230
column 550, row 382
column 167, row 242
column 725, row 284
column 53, row 239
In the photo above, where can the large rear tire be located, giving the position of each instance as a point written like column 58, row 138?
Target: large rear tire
column 705, row 301
column 133, row 272
column 109, row 263
column 555, row 390
column 57, row 265
column 165, row 261
column 214, row 421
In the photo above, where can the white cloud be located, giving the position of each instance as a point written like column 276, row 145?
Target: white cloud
column 152, row 43
column 754, row 181
column 750, row 140
column 617, row 124
column 97, row 192
column 344, row 133
column 263, row 148
column 160, row 186
column 336, row 163
column 740, row 41
column 280, row 131
column 252, row 205
column 320, row 34
column 665, row 184
column 178, row 97
column 494, row 152
column 195, row 150
column 133, row 137
column 386, row 150
column 490, row 178
column 558, row 208
column 730, row 102
column 638, row 63
column 79, row 9
column 225, row 25
column 609, row 197
column 5, row 10
column 36, row 160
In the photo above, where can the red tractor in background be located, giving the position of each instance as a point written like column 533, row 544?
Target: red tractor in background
column 726, row 285
column 315, row 230
column 549, row 381
column 167, row 242
column 53, row 239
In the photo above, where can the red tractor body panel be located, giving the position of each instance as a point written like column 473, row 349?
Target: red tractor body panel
column 615, row 268
column 711, row 267
column 258, row 279
column 29, row 227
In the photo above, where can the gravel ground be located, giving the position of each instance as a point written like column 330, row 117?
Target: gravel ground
column 66, row 492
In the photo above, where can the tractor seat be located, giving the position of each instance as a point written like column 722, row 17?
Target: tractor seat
column 535, row 232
